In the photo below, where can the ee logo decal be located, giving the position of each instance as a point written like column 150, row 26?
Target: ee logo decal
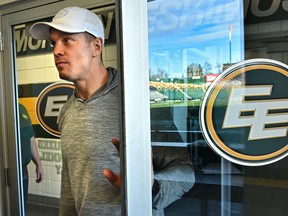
column 49, row 104
column 244, row 113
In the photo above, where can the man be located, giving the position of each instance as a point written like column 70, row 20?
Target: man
column 90, row 117
column 28, row 150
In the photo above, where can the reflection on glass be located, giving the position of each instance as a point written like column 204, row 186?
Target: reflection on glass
column 42, row 94
column 29, row 151
column 190, row 44
column 39, row 152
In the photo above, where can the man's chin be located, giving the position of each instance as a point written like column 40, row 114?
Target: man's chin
column 64, row 76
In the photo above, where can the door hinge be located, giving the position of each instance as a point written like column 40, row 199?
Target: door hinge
column 7, row 177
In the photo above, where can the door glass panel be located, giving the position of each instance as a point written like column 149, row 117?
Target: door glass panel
column 191, row 43
column 35, row 71
column 265, row 31
column 41, row 95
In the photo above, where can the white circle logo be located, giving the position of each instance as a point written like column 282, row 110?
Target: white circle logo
column 244, row 114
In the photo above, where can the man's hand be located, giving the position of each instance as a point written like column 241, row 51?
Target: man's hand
column 39, row 174
column 111, row 176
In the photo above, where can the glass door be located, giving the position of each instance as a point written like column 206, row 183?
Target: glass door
column 34, row 95
column 29, row 78
column 191, row 44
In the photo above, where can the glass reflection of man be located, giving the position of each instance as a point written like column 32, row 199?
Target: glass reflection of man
column 28, row 150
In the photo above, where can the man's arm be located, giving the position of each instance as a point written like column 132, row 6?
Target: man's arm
column 115, row 179
column 36, row 160
column 174, row 175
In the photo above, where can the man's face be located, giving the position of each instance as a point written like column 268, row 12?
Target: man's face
column 72, row 55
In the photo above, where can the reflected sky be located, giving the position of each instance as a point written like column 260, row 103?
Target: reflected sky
column 194, row 31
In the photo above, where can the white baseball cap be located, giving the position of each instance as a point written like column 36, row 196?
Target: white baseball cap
column 70, row 20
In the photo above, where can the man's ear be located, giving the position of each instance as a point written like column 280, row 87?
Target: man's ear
column 98, row 46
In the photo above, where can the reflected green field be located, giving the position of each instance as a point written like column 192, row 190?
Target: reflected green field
column 173, row 103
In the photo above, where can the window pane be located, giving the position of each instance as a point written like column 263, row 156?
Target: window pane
column 190, row 44
column 41, row 95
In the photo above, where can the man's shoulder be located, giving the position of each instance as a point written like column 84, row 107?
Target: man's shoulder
column 24, row 116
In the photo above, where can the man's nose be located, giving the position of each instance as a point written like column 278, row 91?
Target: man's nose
column 58, row 49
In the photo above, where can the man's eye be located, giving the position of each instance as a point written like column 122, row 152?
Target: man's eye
column 67, row 40
column 52, row 44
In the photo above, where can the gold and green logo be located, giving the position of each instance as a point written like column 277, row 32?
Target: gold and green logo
column 244, row 113
column 49, row 104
